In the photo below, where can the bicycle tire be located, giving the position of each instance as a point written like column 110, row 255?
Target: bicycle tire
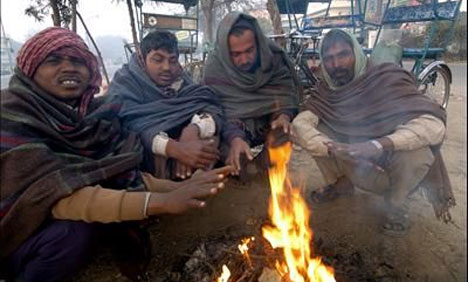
column 427, row 85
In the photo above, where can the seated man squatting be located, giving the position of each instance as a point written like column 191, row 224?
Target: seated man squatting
column 257, row 87
column 367, row 125
column 67, row 164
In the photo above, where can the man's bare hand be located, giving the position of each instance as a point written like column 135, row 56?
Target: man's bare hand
column 195, row 154
column 189, row 133
column 363, row 152
column 192, row 193
column 238, row 147
column 282, row 121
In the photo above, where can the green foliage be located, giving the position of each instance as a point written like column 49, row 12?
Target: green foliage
column 38, row 9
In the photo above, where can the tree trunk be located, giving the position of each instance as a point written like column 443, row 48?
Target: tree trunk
column 132, row 22
column 208, row 12
column 56, row 18
column 73, row 14
column 275, row 17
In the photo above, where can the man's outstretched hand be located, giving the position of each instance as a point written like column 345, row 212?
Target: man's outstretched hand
column 238, row 147
column 283, row 121
column 191, row 193
column 363, row 152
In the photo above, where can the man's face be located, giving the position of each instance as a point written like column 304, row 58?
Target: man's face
column 163, row 67
column 339, row 63
column 64, row 77
column 243, row 50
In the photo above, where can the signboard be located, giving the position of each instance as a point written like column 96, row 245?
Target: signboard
column 169, row 22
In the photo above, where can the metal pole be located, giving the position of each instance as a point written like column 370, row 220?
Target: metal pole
column 381, row 23
column 95, row 46
column 289, row 15
column 7, row 40
column 452, row 26
column 352, row 16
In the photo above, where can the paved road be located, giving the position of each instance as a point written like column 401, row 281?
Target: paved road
column 459, row 78
column 458, row 87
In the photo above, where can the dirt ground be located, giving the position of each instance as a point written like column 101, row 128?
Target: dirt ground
column 431, row 251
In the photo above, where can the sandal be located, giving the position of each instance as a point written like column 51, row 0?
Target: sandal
column 396, row 224
column 329, row 193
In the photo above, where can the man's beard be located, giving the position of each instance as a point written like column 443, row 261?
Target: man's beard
column 342, row 76
column 246, row 67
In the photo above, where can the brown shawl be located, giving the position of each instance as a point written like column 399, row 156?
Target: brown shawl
column 371, row 106
column 272, row 87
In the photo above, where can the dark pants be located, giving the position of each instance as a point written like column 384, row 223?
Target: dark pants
column 54, row 252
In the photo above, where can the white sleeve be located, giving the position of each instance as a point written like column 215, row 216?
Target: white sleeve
column 205, row 124
column 425, row 130
column 159, row 144
column 308, row 137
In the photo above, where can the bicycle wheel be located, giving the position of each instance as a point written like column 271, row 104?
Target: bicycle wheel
column 436, row 85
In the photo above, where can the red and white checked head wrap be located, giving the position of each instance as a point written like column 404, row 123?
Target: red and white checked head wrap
column 60, row 41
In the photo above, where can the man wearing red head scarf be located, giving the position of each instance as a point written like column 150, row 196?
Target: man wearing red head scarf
column 66, row 162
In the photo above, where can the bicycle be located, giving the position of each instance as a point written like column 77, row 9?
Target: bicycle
column 297, row 48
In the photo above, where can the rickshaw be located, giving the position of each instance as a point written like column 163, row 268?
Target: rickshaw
column 185, row 27
column 433, row 74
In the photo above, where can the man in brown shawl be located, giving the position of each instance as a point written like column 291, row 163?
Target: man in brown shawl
column 255, row 82
column 368, row 126
column 66, row 162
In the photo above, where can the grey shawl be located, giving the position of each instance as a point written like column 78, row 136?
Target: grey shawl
column 148, row 109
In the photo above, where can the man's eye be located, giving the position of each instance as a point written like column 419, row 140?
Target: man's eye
column 52, row 60
column 344, row 54
column 78, row 61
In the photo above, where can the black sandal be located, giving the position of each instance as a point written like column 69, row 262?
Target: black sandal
column 328, row 194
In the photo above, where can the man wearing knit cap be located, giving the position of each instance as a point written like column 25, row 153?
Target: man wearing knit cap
column 66, row 162
column 256, row 84
column 368, row 126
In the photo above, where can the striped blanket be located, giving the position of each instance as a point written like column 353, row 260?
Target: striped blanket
column 48, row 151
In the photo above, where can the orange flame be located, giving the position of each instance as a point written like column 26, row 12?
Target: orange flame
column 225, row 275
column 290, row 218
column 244, row 248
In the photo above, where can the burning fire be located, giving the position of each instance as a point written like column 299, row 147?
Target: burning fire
column 290, row 218
column 290, row 230
column 243, row 248
column 225, row 275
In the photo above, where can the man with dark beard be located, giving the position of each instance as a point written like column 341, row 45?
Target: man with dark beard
column 366, row 125
column 256, row 84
